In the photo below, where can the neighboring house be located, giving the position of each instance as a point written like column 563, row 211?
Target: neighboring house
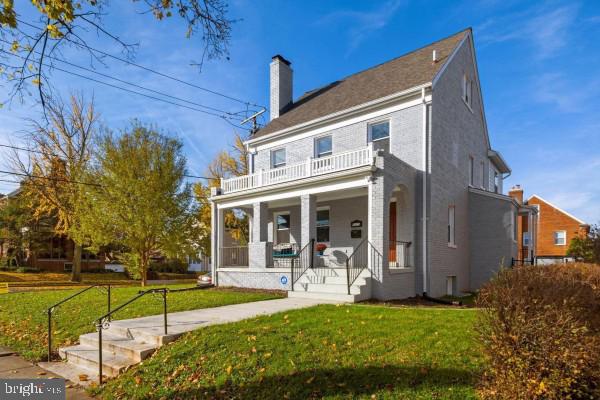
column 47, row 251
column 553, row 230
column 390, row 168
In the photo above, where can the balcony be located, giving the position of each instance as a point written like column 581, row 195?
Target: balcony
column 311, row 167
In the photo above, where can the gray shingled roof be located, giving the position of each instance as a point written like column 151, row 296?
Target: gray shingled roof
column 402, row 73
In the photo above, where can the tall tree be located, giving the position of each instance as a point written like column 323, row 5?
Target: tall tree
column 143, row 203
column 29, row 51
column 56, row 167
column 225, row 165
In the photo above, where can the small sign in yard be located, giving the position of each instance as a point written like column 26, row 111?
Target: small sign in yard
column 283, row 280
column 3, row 288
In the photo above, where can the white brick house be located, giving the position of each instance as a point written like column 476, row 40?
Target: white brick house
column 390, row 168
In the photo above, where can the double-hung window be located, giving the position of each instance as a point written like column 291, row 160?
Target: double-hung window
column 278, row 158
column 323, row 146
column 282, row 227
column 323, row 225
column 379, row 131
column 560, row 238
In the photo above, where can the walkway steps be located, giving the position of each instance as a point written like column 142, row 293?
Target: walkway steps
column 128, row 342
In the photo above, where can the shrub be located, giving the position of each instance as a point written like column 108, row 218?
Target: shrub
column 174, row 266
column 540, row 332
column 27, row 270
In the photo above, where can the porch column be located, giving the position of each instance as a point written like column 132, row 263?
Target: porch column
column 257, row 248
column 378, row 226
column 308, row 218
column 216, row 238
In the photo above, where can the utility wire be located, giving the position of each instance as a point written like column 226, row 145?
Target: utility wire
column 132, row 91
column 232, row 115
column 50, row 178
column 151, row 70
column 54, row 155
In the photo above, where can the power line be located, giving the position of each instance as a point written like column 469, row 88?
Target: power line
column 132, row 91
column 49, row 178
column 54, row 155
column 232, row 115
column 153, row 70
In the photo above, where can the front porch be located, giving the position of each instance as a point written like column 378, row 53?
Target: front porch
column 333, row 244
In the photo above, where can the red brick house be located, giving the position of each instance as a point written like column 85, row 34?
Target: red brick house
column 553, row 229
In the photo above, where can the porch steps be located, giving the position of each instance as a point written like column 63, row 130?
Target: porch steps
column 332, row 284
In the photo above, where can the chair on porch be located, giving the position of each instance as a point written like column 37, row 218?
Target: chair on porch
column 284, row 254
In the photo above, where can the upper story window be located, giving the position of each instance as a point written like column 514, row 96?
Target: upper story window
column 471, row 171
column 467, row 90
column 560, row 238
column 379, row 131
column 323, row 146
column 278, row 158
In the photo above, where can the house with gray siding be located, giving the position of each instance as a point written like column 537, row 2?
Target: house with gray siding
column 383, row 184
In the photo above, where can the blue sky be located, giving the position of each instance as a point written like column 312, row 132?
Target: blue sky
column 538, row 62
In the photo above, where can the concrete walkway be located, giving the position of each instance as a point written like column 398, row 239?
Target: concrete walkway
column 128, row 342
column 13, row 366
column 185, row 321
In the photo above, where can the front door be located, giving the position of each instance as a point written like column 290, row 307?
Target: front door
column 392, row 255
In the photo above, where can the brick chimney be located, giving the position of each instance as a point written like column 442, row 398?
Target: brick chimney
column 516, row 192
column 281, row 75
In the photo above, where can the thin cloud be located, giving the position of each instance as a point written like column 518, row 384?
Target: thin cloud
column 362, row 24
column 547, row 31
column 564, row 93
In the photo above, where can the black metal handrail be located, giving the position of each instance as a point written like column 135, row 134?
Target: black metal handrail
column 104, row 321
column 521, row 262
column 51, row 309
column 357, row 262
column 302, row 261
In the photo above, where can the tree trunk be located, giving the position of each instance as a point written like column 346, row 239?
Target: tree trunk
column 76, row 271
column 144, row 269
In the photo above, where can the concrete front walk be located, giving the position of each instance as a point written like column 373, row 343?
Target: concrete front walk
column 185, row 321
column 14, row 367
column 128, row 342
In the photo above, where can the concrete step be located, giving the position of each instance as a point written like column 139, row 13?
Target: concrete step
column 334, row 280
column 120, row 345
column 327, row 288
column 87, row 357
column 342, row 298
column 128, row 329
column 74, row 373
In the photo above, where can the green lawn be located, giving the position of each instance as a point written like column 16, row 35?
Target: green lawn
column 23, row 319
column 32, row 277
column 357, row 351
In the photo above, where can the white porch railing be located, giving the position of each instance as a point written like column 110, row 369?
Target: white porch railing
column 312, row 167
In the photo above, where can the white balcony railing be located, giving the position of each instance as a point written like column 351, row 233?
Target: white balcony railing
column 312, row 167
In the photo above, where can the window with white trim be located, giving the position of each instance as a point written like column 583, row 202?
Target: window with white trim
column 467, row 90
column 323, row 146
column 278, row 158
column 451, row 226
column 560, row 238
column 379, row 131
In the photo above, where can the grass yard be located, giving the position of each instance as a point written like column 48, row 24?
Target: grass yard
column 332, row 352
column 23, row 318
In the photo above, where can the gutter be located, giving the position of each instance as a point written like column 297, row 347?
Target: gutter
column 425, row 175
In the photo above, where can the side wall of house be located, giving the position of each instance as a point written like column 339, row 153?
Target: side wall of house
column 458, row 133
column 493, row 244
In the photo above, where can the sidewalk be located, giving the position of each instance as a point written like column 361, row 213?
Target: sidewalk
column 13, row 366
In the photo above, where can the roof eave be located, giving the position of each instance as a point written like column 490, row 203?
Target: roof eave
column 499, row 161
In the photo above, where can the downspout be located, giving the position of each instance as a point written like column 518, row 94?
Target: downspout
column 424, row 204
